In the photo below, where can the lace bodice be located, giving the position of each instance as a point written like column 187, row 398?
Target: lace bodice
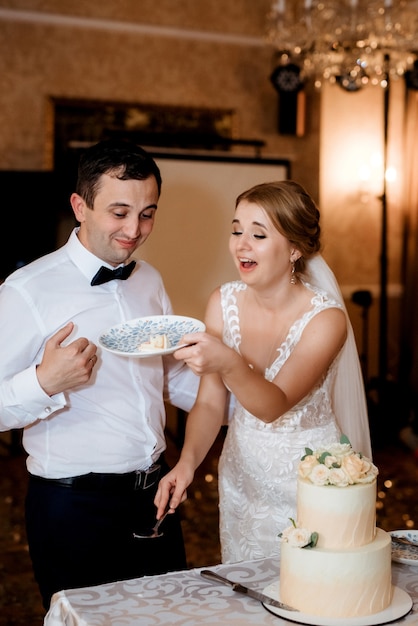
column 315, row 407
column 258, row 464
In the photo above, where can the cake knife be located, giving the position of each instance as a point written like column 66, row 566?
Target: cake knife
column 206, row 573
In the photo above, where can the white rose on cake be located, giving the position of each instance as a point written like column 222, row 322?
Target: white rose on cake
column 338, row 477
column 319, row 474
column 299, row 537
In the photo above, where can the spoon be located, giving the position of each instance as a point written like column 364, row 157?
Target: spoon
column 155, row 531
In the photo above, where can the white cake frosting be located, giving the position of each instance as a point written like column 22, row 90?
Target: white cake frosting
column 334, row 562
column 345, row 583
column 350, row 518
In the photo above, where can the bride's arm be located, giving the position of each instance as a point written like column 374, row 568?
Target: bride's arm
column 320, row 343
column 202, row 427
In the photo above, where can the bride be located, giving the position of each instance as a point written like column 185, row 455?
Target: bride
column 280, row 341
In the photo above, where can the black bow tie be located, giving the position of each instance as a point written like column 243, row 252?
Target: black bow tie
column 105, row 274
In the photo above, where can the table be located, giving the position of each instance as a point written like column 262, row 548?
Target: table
column 187, row 599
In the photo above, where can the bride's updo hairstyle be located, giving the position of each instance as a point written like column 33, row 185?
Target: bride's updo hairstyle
column 292, row 211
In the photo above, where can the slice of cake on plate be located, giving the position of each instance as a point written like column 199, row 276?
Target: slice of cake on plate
column 156, row 342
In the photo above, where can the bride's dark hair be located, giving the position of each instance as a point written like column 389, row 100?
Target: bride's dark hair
column 292, row 211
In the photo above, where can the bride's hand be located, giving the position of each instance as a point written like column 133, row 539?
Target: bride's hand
column 206, row 354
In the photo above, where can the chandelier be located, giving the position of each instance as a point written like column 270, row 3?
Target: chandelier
column 349, row 42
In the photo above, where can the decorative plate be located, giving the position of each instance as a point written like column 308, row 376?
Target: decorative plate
column 401, row 605
column 125, row 339
column 405, row 554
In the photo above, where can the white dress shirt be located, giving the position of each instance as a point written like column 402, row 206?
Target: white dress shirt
column 114, row 423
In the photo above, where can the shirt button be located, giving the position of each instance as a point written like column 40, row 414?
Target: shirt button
column 48, row 409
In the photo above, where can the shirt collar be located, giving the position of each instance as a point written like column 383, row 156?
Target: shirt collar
column 86, row 261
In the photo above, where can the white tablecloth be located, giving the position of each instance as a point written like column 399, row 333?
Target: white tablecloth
column 187, row 599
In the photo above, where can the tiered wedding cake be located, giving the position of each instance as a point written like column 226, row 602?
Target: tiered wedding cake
column 334, row 561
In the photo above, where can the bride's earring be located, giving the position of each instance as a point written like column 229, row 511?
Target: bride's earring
column 292, row 276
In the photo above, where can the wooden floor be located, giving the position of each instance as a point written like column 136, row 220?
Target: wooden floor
column 20, row 604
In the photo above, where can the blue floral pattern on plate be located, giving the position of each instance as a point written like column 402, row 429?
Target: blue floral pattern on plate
column 405, row 554
column 125, row 338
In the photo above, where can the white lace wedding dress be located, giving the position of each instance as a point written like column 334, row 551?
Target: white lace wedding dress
column 258, row 463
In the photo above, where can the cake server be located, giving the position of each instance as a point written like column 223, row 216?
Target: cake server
column 206, row 573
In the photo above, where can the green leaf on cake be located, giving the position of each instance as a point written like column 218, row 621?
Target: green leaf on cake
column 323, row 456
column 313, row 541
column 308, row 452
column 345, row 439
